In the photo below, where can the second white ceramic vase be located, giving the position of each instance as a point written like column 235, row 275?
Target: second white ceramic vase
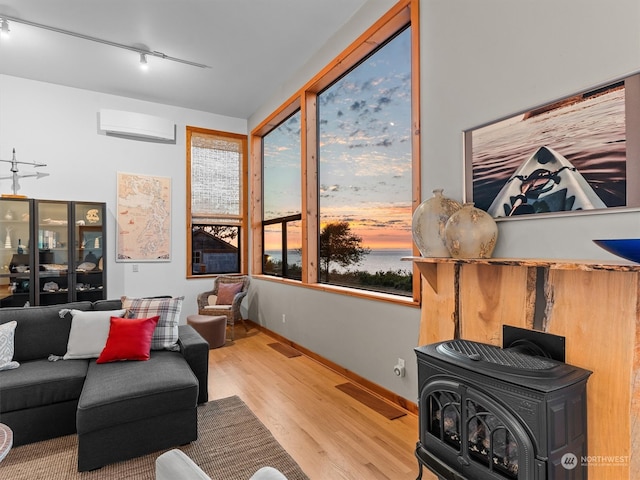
column 471, row 233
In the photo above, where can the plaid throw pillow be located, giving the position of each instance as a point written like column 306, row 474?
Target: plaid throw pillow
column 165, row 336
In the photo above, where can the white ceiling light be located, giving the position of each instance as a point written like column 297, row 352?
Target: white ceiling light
column 4, row 27
column 143, row 62
column 4, row 21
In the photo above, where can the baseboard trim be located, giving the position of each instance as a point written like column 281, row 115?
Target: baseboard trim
column 374, row 388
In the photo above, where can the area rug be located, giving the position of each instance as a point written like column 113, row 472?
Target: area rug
column 232, row 445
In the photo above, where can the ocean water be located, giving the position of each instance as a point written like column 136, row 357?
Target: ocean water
column 378, row 260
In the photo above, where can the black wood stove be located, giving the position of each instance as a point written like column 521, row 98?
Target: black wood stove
column 494, row 413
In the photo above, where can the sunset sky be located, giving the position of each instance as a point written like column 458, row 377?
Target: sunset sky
column 365, row 152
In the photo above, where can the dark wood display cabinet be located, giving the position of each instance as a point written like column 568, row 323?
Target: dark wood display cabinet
column 51, row 252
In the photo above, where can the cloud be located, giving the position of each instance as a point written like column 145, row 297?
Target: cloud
column 365, row 159
column 327, row 191
column 358, row 105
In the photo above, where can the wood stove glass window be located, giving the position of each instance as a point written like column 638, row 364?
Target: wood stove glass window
column 490, row 442
column 444, row 414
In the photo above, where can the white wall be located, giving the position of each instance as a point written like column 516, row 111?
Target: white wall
column 59, row 126
column 480, row 61
column 484, row 60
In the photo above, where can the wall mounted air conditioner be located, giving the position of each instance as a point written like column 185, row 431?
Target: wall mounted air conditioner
column 136, row 125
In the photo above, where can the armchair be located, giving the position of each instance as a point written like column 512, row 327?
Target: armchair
column 229, row 291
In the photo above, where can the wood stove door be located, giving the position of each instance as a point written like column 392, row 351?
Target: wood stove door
column 474, row 434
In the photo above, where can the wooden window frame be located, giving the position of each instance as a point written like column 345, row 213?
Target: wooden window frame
column 242, row 218
column 404, row 13
column 278, row 220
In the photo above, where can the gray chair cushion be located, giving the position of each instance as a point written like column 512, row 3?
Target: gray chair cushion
column 121, row 392
column 40, row 382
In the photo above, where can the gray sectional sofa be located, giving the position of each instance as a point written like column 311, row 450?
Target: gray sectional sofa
column 119, row 410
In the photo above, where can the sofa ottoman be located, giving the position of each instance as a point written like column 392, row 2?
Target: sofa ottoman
column 128, row 409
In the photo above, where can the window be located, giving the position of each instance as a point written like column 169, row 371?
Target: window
column 282, row 205
column 340, row 168
column 365, row 173
column 216, row 198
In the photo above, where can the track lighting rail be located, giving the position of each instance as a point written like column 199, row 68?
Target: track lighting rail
column 6, row 18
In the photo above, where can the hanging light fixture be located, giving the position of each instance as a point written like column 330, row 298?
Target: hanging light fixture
column 4, row 27
column 143, row 62
column 16, row 176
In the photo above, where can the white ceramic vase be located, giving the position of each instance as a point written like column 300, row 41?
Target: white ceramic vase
column 471, row 233
column 428, row 224
column 7, row 240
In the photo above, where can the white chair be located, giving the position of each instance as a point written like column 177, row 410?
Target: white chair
column 176, row 465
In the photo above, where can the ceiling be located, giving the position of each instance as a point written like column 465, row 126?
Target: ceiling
column 252, row 47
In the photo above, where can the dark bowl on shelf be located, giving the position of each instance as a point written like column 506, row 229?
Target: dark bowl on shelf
column 627, row 248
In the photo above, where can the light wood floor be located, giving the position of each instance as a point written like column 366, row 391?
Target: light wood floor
column 329, row 434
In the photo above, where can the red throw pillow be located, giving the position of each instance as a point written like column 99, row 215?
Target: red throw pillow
column 227, row 292
column 129, row 339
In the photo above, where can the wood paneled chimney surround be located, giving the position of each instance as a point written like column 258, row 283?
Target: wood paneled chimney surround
column 594, row 305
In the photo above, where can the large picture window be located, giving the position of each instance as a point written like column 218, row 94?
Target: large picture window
column 216, row 167
column 282, row 214
column 365, row 172
column 340, row 171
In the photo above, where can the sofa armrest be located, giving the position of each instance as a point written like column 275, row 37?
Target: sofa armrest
column 195, row 350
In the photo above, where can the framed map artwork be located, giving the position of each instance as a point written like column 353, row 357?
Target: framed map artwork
column 143, row 218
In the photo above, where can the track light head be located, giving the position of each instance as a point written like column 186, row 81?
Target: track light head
column 143, row 62
column 4, row 27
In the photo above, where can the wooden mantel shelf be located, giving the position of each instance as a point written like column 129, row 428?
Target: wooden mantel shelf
column 595, row 305
column 428, row 265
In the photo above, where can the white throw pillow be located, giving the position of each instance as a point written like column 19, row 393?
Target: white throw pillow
column 7, row 331
column 89, row 332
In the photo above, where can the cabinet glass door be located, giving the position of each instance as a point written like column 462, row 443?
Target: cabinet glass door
column 53, row 252
column 15, row 253
column 89, row 245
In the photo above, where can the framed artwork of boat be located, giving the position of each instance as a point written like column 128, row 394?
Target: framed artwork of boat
column 578, row 154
